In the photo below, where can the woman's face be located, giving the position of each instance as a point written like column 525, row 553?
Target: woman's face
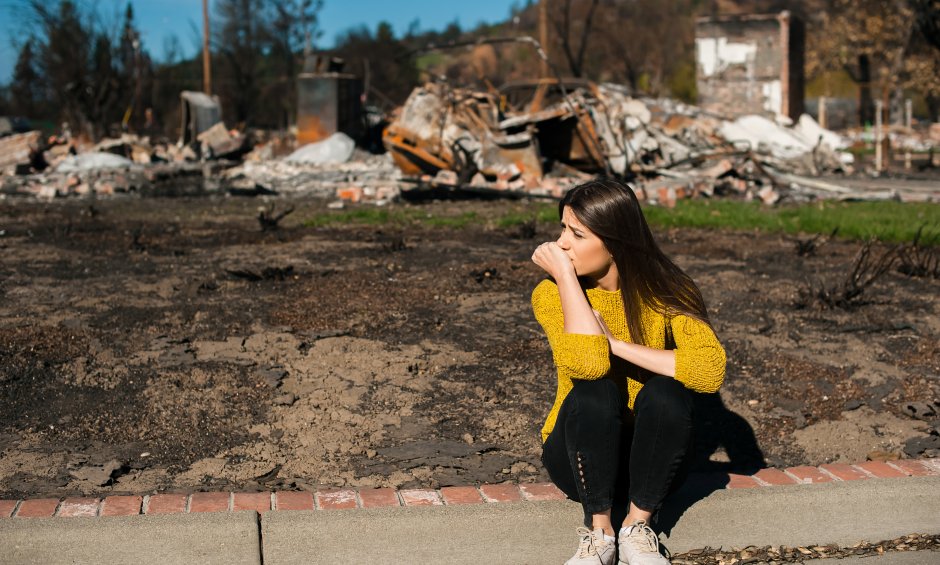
column 586, row 251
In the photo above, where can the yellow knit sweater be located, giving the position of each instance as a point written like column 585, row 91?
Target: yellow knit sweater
column 700, row 358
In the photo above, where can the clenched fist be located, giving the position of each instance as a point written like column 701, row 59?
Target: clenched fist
column 553, row 259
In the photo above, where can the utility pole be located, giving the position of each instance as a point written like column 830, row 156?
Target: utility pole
column 206, row 70
column 308, row 37
column 137, row 113
column 543, row 35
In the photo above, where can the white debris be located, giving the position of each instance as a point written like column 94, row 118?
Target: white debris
column 363, row 169
column 93, row 161
column 337, row 148
column 765, row 135
column 812, row 132
column 781, row 141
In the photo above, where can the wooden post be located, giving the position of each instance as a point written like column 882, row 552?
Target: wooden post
column 879, row 153
column 206, row 69
column 543, row 35
column 823, row 118
column 908, row 123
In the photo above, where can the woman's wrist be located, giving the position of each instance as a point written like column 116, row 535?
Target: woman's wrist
column 661, row 362
column 567, row 276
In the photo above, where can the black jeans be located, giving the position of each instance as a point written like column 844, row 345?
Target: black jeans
column 603, row 456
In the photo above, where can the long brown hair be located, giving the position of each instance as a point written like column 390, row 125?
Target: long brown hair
column 610, row 209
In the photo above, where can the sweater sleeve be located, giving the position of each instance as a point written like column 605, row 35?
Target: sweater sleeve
column 583, row 356
column 700, row 358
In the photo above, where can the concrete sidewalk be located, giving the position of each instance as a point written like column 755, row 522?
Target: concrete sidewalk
column 512, row 533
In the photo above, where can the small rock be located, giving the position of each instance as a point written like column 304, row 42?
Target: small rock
column 467, row 438
column 719, row 457
column 914, row 447
column 273, row 376
column 98, row 475
column 883, row 456
column 853, row 405
column 268, row 475
column 934, row 428
column 286, row 399
column 920, row 410
column 518, row 467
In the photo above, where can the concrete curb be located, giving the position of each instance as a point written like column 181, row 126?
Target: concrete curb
column 839, row 512
column 212, row 539
column 347, row 499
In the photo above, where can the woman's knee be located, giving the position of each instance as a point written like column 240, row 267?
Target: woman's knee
column 665, row 395
column 596, row 398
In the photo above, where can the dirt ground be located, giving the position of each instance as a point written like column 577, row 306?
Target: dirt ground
column 169, row 344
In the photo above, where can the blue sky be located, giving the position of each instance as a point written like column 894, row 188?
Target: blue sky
column 160, row 19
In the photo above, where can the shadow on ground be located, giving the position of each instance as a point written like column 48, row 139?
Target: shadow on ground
column 717, row 430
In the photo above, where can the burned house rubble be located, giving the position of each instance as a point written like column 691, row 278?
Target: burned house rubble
column 527, row 139
column 540, row 138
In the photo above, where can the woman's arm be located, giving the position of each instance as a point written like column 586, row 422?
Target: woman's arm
column 580, row 356
column 659, row 361
column 578, row 343
column 698, row 361
column 700, row 357
column 578, row 314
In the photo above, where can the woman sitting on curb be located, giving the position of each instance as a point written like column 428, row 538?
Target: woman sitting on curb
column 630, row 336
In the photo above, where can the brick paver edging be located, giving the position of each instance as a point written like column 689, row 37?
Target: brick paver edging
column 339, row 499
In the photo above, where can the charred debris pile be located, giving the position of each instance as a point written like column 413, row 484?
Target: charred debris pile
column 527, row 139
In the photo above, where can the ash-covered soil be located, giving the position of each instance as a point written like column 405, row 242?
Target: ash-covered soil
column 170, row 344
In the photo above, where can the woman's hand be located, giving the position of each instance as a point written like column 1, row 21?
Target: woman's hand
column 604, row 328
column 553, row 259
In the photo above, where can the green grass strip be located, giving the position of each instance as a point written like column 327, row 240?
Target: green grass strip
column 887, row 221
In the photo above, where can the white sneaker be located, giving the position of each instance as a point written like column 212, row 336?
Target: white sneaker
column 639, row 545
column 593, row 549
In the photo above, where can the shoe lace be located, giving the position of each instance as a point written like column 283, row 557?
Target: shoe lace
column 642, row 538
column 587, row 546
